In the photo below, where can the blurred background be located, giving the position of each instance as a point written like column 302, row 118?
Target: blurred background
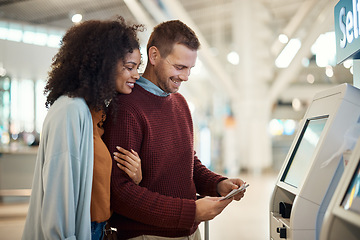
column 259, row 66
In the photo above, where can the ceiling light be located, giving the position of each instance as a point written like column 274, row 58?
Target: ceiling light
column 310, row 78
column 76, row 18
column 233, row 58
column 305, row 62
column 288, row 53
column 296, row 104
column 329, row 71
column 348, row 63
column 325, row 49
column 283, row 38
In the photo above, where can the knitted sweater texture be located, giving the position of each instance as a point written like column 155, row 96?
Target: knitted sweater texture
column 160, row 129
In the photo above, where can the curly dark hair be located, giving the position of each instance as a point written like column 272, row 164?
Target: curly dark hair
column 166, row 34
column 85, row 65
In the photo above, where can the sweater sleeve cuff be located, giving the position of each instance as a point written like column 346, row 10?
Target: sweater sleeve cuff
column 187, row 217
column 215, row 193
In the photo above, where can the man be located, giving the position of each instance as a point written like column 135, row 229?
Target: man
column 155, row 121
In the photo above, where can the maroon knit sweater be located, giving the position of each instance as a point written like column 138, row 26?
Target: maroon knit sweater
column 160, row 129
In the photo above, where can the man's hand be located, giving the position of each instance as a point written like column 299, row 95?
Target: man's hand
column 227, row 185
column 209, row 207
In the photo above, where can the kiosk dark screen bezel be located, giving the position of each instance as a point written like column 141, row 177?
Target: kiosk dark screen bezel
column 299, row 140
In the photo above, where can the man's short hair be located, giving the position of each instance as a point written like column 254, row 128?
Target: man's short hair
column 167, row 34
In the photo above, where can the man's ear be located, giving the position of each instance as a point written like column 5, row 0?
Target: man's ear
column 153, row 54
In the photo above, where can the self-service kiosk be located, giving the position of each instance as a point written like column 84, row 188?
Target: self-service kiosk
column 304, row 179
column 342, row 218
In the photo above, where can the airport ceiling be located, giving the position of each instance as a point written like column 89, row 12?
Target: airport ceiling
column 56, row 12
column 296, row 18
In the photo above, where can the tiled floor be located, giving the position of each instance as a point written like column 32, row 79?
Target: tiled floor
column 244, row 220
column 247, row 219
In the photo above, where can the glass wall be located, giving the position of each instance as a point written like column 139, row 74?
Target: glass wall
column 5, row 109
column 22, row 110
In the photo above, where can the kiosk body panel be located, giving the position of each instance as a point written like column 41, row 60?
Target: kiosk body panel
column 332, row 140
column 342, row 218
column 297, row 197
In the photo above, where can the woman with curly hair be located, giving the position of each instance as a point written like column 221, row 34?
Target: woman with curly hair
column 71, row 187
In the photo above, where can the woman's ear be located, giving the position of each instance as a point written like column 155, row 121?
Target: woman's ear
column 154, row 55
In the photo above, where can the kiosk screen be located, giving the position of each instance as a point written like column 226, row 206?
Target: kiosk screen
column 303, row 151
column 351, row 199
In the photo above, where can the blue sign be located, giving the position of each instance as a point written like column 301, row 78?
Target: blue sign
column 347, row 30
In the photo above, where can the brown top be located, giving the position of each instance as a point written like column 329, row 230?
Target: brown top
column 100, row 195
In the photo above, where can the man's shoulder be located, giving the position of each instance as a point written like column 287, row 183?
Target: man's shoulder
column 129, row 103
column 180, row 99
column 136, row 92
column 178, row 95
column 126, row 99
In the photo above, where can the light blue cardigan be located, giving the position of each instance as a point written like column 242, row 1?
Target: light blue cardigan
column 61, row 192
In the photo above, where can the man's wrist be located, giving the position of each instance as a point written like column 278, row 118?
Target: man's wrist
column 217, row 186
